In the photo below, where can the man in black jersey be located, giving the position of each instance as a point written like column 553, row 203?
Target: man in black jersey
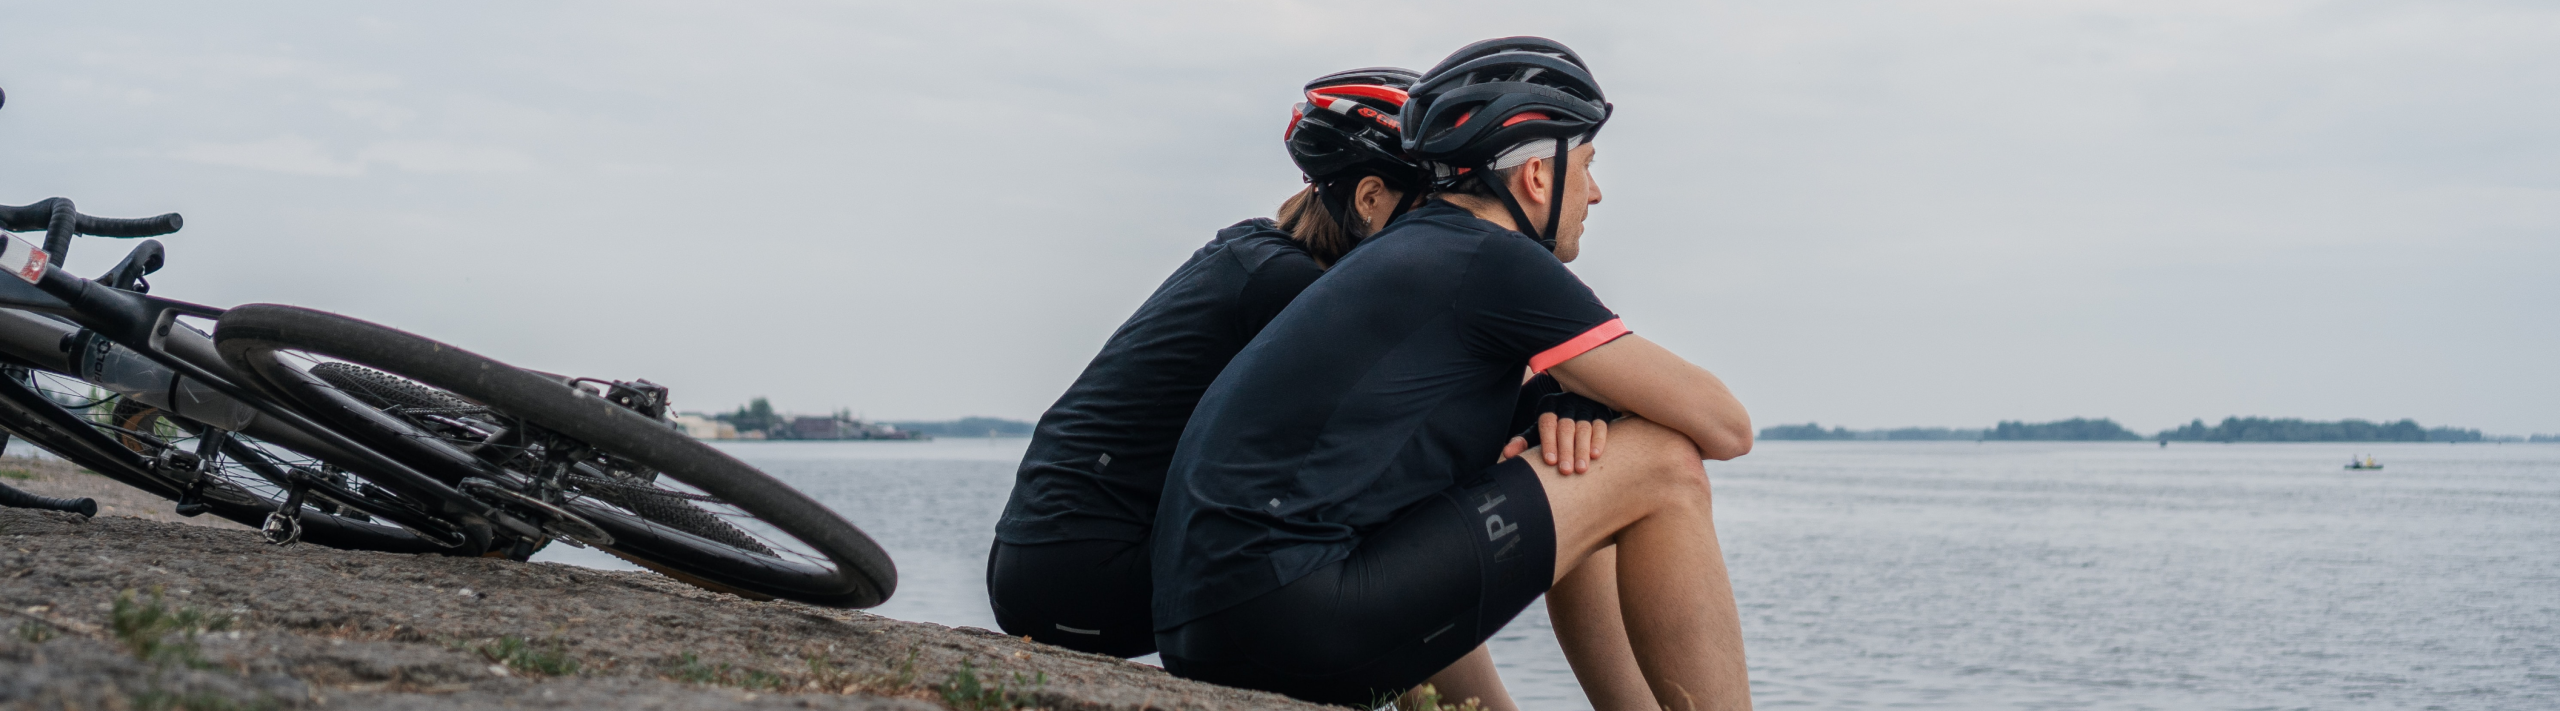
column 1070, row 562
column 1329, row 526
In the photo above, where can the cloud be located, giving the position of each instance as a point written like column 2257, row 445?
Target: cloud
column 1867, row 212
column 382, row 114
column 297, row 155
column 282, row 154
column 432, row 157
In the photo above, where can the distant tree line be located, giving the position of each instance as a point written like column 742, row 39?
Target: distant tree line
column 758, row 416
column 2232, row 429
column 755, row 416
column 969, row 427
column 1811, row 430
column 2260, row 429
column 2077, row 429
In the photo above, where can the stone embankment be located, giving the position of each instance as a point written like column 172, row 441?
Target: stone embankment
column 133, row 610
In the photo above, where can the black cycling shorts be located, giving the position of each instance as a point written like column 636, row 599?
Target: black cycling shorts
column 1088, row 596
column 1413, row 598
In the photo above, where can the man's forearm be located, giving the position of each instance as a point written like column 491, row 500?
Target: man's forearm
column 1638, row 376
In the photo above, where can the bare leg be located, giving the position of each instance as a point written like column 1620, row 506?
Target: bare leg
column 1473, row 677
column 1584, row 606
column 1650, row 498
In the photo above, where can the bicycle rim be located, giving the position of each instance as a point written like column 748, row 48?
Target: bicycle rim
column 536, row 446
column 242, row 482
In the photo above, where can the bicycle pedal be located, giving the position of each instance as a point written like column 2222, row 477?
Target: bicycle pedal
column 280, row 530
column 192, row 509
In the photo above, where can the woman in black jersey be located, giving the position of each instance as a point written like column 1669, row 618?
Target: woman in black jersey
column 1069, row 566
column 1070, row 562
column 1329, row 527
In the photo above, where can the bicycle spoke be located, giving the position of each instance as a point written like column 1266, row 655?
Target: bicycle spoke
column 661, row 505
column 85, row 401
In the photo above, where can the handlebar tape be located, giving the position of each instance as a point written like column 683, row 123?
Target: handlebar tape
column 40, row 216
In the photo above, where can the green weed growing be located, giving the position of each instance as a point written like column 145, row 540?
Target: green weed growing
column 1427, row 698
column 907, row 669
column 199, row 701
column 966, row 692
column 689, row 668
column 825, row 675
column 147, row 628
column 525, row 657
column 33, row 633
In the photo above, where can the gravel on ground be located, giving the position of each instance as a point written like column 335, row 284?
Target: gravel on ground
column 133, row 610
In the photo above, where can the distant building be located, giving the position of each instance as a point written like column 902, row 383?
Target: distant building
column 839, row 426
column 757, row 420
column 805, row 427
column 700, row 427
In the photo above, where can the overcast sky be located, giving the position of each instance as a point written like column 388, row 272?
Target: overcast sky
column 1864, row 213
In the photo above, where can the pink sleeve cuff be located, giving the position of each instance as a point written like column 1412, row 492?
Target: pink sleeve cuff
column 1578, row 345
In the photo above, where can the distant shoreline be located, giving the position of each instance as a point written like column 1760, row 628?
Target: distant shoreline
column 2230, row 430
column 893, row 441
column 757, row 421
column 2145, row 443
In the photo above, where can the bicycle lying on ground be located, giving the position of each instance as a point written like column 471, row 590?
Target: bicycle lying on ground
column 318, row 427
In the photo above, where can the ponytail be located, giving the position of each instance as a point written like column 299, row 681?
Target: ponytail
column 1307, row 221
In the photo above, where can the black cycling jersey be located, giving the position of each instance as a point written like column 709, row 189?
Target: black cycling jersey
column 1386, row 381
column 1096, row 462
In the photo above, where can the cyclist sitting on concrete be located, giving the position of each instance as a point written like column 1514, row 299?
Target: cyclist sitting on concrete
column 1329, row 528
column 1070, row 565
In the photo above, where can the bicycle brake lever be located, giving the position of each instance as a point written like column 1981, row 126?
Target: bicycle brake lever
column 145, row 258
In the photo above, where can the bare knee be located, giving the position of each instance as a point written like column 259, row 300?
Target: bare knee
column 1656, row 443
column 1671, row 463
column 1685, row 482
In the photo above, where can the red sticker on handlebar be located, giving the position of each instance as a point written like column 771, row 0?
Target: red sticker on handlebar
column 23, row 259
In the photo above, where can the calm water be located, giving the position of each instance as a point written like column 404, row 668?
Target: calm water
column 1965, row 576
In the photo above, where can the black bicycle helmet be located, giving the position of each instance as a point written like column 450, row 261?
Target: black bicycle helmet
column 1347, row 129
column 1493, row 96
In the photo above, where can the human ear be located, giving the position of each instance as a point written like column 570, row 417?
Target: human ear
column 1531, row 181
column 1376, row 202
column 1372, row 193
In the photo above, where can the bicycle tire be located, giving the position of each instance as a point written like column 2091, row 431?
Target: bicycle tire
column 274, row 346
column 100, row 453
column 384, row 390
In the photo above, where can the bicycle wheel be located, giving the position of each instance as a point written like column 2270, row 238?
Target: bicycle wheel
column 138, row 445
column 581, row 465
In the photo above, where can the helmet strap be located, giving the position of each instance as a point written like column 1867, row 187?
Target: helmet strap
column 1555, row 195
column 1518, row 216
column 1337, row 197
column 1413, row 197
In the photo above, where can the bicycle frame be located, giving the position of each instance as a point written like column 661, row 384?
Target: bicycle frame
column 458, row 450
column 148, row 326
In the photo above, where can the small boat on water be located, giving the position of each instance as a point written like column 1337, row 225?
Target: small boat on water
column 2363, row 464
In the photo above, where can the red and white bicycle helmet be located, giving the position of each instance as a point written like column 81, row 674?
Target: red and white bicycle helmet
column 1347, row 129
